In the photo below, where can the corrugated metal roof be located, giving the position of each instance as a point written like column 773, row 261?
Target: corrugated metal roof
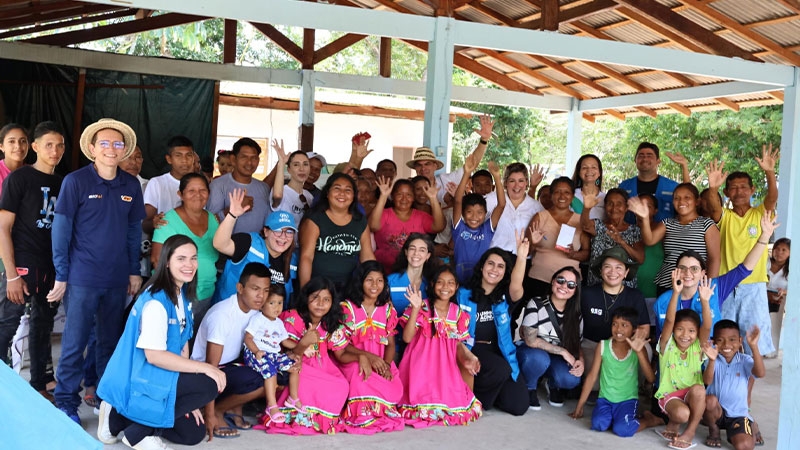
column 515, row 9
column 786, row 34
column 635, row 33
column 748, row 11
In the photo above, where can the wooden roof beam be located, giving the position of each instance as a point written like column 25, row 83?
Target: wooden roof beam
column 678, row 38
column 550, row 15
column 117, row 29
column 229, row 42
column 569, row 14
column 37, row 8
column 633, row 84
column 26, row 20
column 67, row 23
column 534, row 74
column 693, row 31
column 385, row 57
column 492, row 14
column 792, row 5
column 395, row 6
column 336, row 46
column 280, row 40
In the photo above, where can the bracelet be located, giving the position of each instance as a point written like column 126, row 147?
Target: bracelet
column 8, row 280
column 231, row 214
column 765, row 243
column 484, row 142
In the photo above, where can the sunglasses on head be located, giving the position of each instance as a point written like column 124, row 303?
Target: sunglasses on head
column 570, row 284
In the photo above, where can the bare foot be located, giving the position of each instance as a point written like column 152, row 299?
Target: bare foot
column 649, row 420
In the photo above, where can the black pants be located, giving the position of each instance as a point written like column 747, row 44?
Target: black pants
column 41, row 325
column 194, row 391
column 494, row 385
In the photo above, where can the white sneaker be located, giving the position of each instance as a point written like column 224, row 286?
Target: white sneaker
column 148, row 443
column 103, row 431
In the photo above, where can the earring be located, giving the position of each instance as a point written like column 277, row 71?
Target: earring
column 597, row 182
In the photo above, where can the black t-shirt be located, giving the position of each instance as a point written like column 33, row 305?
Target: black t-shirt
column 31, row 196
column 241, row 245
column 646, row 187
column 598, row 307
column 485, row 329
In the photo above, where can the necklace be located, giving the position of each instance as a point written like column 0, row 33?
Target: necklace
column 608, row 306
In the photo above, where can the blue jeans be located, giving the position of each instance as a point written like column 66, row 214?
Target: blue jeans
column 87, row 307
column 535, row 362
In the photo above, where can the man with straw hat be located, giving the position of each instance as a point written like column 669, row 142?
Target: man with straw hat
column 96, row 237
column 426, row 164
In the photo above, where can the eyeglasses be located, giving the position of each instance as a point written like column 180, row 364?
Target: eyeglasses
column 118, row 145
column 570, row 284
column 288, row 232
column 692, row 269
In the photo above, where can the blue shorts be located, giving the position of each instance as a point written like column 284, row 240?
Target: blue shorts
column 269, row 365
column 620, row 417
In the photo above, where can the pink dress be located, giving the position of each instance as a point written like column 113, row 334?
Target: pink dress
column 434, row 391
column 372, row 403
column 323, row 389
column 390, row 238
column 4, row 172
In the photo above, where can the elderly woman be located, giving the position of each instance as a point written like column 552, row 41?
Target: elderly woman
column 612, row 231
column 192, row 220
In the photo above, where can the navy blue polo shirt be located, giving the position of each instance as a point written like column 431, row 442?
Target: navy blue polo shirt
column 97, row 229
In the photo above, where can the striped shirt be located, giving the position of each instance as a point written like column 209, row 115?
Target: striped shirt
column 536, row 316
column 677, row 239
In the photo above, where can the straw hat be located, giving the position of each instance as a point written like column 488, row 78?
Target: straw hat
column 127, row 135
column 424, row 154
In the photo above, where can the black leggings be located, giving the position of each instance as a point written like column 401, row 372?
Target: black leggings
column 194, row 391
column 494, row 385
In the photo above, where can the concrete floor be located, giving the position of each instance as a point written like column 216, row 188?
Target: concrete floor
column 549, row 428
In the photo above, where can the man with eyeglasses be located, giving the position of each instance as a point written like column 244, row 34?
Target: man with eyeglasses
column 96, row 241
column 161, row 194
column 27, row 206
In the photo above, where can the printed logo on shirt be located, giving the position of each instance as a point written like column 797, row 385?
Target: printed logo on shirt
column 340, row 244
column 752, row 230
column 48, row 209
column 596, row 311
column 97, row 196
column 126, row 198
column 467, row 236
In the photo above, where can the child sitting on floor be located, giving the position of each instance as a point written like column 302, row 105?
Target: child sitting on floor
column 727, row 379
column 681, row 394
column 263, row 338
column 617, row 362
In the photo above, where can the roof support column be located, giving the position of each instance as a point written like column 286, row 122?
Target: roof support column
column 438, row 89
column 305, row 132
column 574, row 138
column 789, row 416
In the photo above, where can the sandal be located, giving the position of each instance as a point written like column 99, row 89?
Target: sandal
column 231, row 420
column 666, row 435
column 295, row 404
column 277, row 417
column 680, row 444
column 713, row 442
column 90, row 397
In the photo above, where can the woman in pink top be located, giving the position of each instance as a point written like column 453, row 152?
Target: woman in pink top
column 392, row 226
column 14, row 144
column 548, row 257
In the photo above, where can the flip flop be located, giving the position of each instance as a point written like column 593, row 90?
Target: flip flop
column 713, row 442
column 230, row 419
column 225, row 433
column 759, row 439
column 666, row 435
column 91, row 400
column 680, row 444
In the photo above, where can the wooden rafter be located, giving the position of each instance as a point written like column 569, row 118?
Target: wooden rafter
column 117, row 29
column 37, row 8
column 280, row 40
column 793, row 5
column 568, row 14
column 550, row 15
column 229, row 42
column 395, row 7
column 14, row 20
column 668, row 33
column 67, row 23
column 336, row 46
column 385, row 58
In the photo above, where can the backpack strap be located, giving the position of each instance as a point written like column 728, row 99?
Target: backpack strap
column 547, row 305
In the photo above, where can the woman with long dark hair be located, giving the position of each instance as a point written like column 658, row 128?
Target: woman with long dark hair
column 588, row 181
column 151, row 388
column 778, row 272
column 552, row 331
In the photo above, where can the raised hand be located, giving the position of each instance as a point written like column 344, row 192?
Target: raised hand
column 470, row 164
column 768, row 158
column 677, row 158
column 236, row 198
column 414, row 296
column 494, row 169
column 430, row 192
column 523, row 244
column 716, row 175
column 752, row 336
column 706, row 289
column 638, row 207
column 451, row 187
column 710, row 350
column 487, row 124
column 280, row 151
column 385, row 186
column 536, row 234
column 590, row 200
column 637, row 343
column 769, row 222
column 537, row 174
column 676, row 280
column 359, row 147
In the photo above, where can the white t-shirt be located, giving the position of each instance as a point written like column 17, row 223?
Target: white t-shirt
column 224, row 324
column 599, row 210
column 292, row 204
column 162, row 193
column 777, row 280
column 513, row 219
column 267, row 333
column 443, row 179
column 153, row 331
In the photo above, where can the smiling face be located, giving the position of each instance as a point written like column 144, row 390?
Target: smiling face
column 616, row 207
column 589, row 170
column 246, row 162
column 482, row 185
column 621, row 329
column 314, row 170
column 493, row 271
column 319, row 303
column 104, row 147
column 613, row 273
column 272, row 307
column 646, row 161
column 739, row 191
column 402, row 197
column 194, row 195
column 253, row 293
column 49, row 149
column 417, row 253
column 133, row 163
column 278, row 241
column 474, row 216
column 341, row 194
column 373, row 285
column 445, row 286
column 419, row 192
column 15, row 145
column 426, row 168
column 182, row 264
column 684, row 333
column 685, row 202
column 728, row 342
column 517, row 185
column 563, row 291
column 691, row 271
column 299, row 167
column 561, row 195
column 181, row 161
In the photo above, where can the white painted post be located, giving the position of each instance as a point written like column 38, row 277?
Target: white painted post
column 438, row 89
column 574, row 138
column 789, row 416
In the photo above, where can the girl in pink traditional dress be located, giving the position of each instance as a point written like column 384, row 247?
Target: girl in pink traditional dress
column 367, row 362
column 435, row 330
column 314, row 325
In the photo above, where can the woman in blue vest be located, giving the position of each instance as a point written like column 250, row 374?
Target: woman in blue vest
column 151, row 388
column 491, row 293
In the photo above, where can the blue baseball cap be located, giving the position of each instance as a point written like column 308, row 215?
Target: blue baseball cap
column 279, row 220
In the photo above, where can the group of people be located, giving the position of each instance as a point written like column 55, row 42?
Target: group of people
column 331, row 303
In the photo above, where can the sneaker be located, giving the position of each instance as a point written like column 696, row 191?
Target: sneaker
column 554, row 396
column 103, row 431
column 72, row 414
column 148, row 443
column 533, row 401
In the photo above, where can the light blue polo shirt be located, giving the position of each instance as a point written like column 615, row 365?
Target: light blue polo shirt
column 730, row 384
